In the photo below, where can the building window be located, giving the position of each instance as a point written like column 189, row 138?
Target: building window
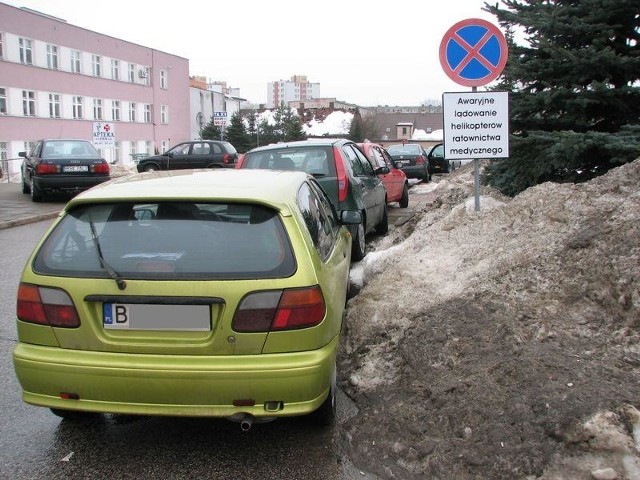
column 164, row 114
column 115, row 110
column 52, row 57
column 115, row 69
column 132, row 112
column 26, row 51
column 77, row 108
column 54, row 105
column 132, row 149
column 1, row 45
column 3, row 151
column 147, row 113
column 28, row 103
column 148, row 148
column 145, row 73
column 3, row 101
column 116, row 152
column 96, row 65
column 132, row 73
column 97, row 109
column 76, row 61
column 163, row 79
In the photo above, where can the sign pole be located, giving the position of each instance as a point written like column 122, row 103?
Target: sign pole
column 476, row 173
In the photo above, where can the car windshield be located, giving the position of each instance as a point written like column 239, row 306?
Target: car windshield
column 315, row 160
column 406, row 149
column 164, row 240
column 69, row 148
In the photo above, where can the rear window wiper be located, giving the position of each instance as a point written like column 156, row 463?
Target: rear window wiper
column 103, row 263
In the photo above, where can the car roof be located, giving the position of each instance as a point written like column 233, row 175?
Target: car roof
column 301, row 143
column 277, row 189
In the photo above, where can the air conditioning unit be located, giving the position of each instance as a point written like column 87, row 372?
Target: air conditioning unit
column 143, row 73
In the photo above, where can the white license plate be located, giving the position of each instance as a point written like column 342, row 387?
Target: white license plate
column 156, row 317
column 76, row 168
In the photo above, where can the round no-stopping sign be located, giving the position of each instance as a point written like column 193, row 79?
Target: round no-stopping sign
column 473, row 52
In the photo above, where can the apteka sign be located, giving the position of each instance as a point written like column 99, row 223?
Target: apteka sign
column 476, row 125
column 104, row 135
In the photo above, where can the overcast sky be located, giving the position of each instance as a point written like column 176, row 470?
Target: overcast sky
column 368, row 53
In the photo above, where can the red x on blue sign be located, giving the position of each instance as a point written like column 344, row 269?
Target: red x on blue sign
column 473, row 52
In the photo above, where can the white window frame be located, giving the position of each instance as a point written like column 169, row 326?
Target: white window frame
column 164, row 79
column 147, row 113
column 54, row 105
column 3, row 101
column 115, row 69
column 52, row 57
column 76, row 61
column 28, row 103
column 4, row 151
column 96, row 65
column 132, row 73
column 1, row 45
column 78, row 107
column 164, row 114
column 132, row 111
column 26, row 51
column 115, row 110
column 97, row 109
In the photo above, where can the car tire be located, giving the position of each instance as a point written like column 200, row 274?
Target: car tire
column 150, row 168
column 404, row 199
column 358, row 248
column 383, row 227
column 36, row 196
column 25, row 186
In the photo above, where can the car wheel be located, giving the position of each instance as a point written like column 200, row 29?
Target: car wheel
column 25, row 186
column 404, row 199
column 36, row 196
column 358, row 248
column 74, row 415
column 150, row 168
column 383, row 227
column 326, row 414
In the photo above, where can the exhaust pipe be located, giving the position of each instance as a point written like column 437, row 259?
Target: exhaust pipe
column 246, row 422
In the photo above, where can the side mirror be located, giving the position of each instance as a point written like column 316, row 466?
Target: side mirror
column 382, row 170
column 22, row 154
column 350, row 217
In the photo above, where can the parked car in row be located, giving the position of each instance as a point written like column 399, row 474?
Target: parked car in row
column 344, row 173
column 412, row 159
column 437, row 162
column 67, row 166
column 195, row 154
column 198, row 293
column 395, row 181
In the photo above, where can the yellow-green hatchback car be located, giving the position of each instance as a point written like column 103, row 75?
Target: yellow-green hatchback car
column 215, row 293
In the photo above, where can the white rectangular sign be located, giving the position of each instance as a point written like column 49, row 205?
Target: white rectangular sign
column 104, row 135
column 476, row 125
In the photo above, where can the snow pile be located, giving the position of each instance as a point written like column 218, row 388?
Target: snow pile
column 336, row 123
column 502, row 344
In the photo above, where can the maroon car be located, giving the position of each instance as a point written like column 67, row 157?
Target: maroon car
column 395, row 181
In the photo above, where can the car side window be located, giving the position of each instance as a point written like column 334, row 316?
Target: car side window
column 35, row 150
column 387, row 158
column 378, row 157
column 438, row 151
column 216, row 148
column 357, row 164
column 366, row 166
column 321, row 224
column 200, row 149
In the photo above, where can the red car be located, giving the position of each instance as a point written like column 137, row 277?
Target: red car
column 395, row 181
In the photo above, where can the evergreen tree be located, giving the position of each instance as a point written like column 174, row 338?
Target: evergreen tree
column 575, row 98
column 236, row 134
column 210, row 131
column 356, row 129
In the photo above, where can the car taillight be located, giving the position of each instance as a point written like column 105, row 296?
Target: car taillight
column 46, row 306
column 225, row 158
column 341, row 173
column 279, row 310
column 45, row 168
column 240, row 160
column 100, row 168
column 419, row 160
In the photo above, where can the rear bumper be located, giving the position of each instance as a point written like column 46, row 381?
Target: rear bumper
column 415, row 172
column 62, row 183
column 175, row 384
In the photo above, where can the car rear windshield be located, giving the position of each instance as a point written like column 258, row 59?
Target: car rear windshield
column 407, row 149
column 69, row 148
column 168, row 240
column 315, row 160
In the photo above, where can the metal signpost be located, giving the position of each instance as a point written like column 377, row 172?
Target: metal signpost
column 220, row 119
column 473, row 52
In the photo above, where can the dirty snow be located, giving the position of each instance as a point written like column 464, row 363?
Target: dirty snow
column 502, row 344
